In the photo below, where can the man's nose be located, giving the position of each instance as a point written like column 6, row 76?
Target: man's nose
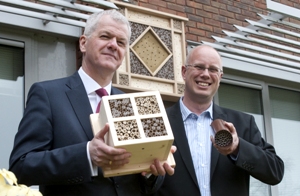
column 205, row 71
column 113, row 42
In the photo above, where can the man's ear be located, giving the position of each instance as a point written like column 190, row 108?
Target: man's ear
column 82, row 42
column 183, row 70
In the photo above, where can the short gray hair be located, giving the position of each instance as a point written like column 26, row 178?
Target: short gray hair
column 91, row 23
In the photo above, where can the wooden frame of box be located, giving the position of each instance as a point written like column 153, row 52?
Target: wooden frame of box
column 139, row 124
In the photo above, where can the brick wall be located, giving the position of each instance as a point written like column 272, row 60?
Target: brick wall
column 208, row 17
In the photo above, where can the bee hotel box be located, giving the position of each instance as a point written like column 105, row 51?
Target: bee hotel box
column 139, row 124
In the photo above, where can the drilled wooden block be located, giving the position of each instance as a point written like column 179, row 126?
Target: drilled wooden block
column 139, row 124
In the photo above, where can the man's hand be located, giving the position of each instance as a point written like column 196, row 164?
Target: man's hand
column 160, row 170
column 233, row 148
column 103, row 155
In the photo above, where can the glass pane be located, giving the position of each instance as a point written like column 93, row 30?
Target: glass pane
column 11, row 104
column 11, row 98
column 11, row 62
column 249, row 101
column 240, row 98
column 285, row 106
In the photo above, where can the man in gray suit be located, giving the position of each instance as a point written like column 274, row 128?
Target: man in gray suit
column 202, row 167
column 55, row 147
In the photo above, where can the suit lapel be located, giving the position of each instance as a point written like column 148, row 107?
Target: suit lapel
column 80, row 103
column 217, row 113
column 175, row 118
column 115, row 91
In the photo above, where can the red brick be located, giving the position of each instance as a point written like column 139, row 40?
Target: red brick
column 207, row 2
column 248, row 2
column 191, row 24
column 218, row 30
column 173, row 6
column 294, row 20
column 241, row 5
column 196, row 31
column 159, row 3
column 166, row 10
column 218, row 5
column 260, row 5
column 210, row 9
column 182, row 14
column 203, row 13
column 235, row 22
column 204, row 27
column 181, row 2
column 257, row 10
column 212, row 22
column 207, row 39
column 234, row 9
column 190, row 10
column 146, row 5
column 194, row 5
column 209, row 35
column 291, row 37
column 226, row 2
column 195, row 18
column 219, row 18
column 191, row 37
column 226, row 13
column 240, row 17
column 227, row 26
column 289, row 3
column 278, row 34
column 249, row 14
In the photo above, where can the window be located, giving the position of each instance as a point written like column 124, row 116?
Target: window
column 11, row 97
column 285, row 112
column 246, row 100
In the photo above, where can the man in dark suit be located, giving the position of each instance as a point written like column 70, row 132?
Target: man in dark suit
column 55, row 147
column 202, row 167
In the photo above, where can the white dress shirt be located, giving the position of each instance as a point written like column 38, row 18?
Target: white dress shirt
column 198, row 132
column 91, row 86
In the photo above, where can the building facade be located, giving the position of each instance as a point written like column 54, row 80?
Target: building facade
column 258, row 42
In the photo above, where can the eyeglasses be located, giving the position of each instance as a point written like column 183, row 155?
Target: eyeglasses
column 202, row 68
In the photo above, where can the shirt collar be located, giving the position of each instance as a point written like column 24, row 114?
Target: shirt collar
column 90, row 84
column 186, row 112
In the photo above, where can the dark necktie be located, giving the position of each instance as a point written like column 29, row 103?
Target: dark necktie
column 101, row 92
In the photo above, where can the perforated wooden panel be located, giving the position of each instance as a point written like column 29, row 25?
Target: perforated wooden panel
column 151, row 51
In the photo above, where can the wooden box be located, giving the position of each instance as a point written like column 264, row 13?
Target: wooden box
column 139, row 124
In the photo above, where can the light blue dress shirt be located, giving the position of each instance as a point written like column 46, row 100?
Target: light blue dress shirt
column 198, row 132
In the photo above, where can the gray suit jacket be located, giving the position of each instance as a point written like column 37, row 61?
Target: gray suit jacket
column 227, row 178
column 50, row 145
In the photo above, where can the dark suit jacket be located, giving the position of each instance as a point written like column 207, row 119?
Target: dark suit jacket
column 50, row 145
column 228, row 178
